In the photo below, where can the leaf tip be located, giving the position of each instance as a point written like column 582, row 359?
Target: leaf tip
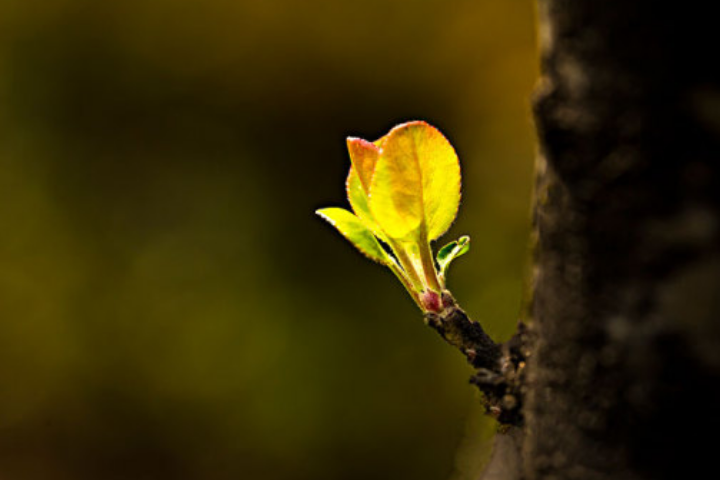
column 322, row 213
column 357, row 143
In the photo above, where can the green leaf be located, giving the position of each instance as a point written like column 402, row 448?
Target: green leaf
column 352, row 228
column 415, row 189
column 359, row 202
column 450, row 252
column 404, row 190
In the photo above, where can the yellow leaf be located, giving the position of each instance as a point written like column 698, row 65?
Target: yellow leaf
column 359, row 202
column 415, row 189
column 363, row 155
column 353, row 229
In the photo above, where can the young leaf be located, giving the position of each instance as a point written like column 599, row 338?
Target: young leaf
column 364, row 156
column 352, row 228
column 405, row 191
column 415, row 189
column 359, row 202
column 450, row 252
column 395, row 198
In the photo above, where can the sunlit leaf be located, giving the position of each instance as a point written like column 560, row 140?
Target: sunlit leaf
column 415, row 189
column 396, row 189
column 364, row 156
column 441, row 179
column 359, row 202
column 352, row 228
column 404, row 190
column 450, row 252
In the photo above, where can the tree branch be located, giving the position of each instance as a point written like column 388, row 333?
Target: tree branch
column 499, row 367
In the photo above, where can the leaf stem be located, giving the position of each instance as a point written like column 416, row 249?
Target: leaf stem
column 407, row 265
column 428, row 264
column 400, row 274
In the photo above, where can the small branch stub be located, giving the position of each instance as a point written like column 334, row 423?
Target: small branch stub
column 454, row 326
column 500, row 368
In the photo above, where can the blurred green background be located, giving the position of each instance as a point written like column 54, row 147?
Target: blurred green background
column 170, row 306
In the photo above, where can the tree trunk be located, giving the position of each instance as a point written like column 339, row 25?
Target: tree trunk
column 623, row 379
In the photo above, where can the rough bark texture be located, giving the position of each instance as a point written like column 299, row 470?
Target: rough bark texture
column 623, row 381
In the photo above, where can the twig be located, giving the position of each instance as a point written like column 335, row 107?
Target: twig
column 499, row 367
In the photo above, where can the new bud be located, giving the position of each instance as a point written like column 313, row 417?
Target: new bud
column 431, row 301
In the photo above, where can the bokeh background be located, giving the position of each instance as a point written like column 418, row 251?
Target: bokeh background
column 171, row 308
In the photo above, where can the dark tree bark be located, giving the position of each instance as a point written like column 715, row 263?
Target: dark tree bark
column 615, row 374
column 624, row 377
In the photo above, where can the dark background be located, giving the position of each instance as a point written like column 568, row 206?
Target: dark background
column 170, row 307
